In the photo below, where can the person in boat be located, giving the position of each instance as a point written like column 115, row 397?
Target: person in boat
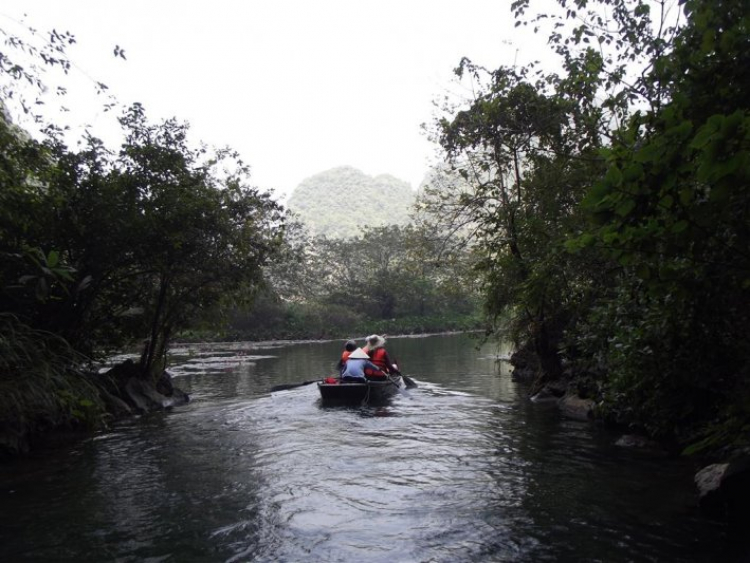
column 349, row 347
column 356, row 365
column 378, row 355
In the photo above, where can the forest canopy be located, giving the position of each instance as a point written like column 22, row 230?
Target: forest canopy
column 609, row 206
column 106, row 247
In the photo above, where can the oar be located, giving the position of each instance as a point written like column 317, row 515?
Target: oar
column 400, row 390
column 286, row 386
column 408, row 381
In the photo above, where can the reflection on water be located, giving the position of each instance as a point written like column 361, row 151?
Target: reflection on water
column 463, row 468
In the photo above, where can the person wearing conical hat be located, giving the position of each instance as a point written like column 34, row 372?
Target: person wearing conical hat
column 356, row 365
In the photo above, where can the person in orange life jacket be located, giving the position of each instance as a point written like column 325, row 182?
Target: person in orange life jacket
column 356, row 366
column 348, row 349
column 378, row 354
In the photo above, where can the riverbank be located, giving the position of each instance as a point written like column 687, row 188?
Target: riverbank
column 34, row 410
column 722, row 476
column 40, row 408
column 310, row 330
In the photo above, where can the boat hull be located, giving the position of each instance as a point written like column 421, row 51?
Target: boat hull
column 358, row 393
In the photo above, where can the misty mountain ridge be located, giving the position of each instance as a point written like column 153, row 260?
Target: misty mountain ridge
column 339, row 202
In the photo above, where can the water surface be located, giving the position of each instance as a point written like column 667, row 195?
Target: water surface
column 464, row 468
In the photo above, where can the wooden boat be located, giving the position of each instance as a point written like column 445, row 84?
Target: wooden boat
column 349, row 393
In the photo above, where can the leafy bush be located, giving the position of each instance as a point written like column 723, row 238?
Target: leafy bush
column 41, row 384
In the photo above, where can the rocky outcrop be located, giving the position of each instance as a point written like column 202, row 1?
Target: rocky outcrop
column 551, row 391
column 710, row 497
column 525, row 364
column 115, row 406
column 724, row 493
column 577, row 408
column 121, row 392
column 144, row 396
column 127, row 387
column 637, row 441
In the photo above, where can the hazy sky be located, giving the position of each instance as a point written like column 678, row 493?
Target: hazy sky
column 296, row 86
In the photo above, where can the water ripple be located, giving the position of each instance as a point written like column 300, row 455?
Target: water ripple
column 463, row 468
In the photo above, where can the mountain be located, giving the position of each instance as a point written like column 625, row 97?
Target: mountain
column 339, row 202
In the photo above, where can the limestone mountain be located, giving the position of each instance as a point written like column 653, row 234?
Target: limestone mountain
column 340, row 201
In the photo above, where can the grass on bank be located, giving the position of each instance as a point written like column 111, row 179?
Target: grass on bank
column 42, row 385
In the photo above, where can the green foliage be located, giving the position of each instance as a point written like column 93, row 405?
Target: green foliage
column 610, row 208
column 41, row 385
column 341, row 202
column 673, row 213
column 302, row 321
column 101, row 248
column 446, row 322
column 194, row 229
column 389, row 276
column 514, row 148
column 144, row 240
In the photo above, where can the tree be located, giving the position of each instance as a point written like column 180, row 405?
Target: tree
column 673, row 211
column 99, row 248
column 513, row 147
column 174, row 228
column 609, row 205
column 390, row 276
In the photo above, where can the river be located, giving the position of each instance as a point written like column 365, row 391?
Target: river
column 462, row 468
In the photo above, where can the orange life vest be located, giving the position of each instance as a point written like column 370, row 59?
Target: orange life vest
column 378, row 357
column 345, row 356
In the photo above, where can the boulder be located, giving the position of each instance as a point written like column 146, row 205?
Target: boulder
column 577, row 408
column 179, row 397
column 164, row 384
column 525, row 364
column 551, row 391
column 724, row 494
column 544, row 396
column 710, row 496
column 636, row 441
column 116, row 378
column 125, row 391
column 144, row 397
column 115, row 406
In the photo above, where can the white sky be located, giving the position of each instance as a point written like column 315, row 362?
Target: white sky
column 297, row 87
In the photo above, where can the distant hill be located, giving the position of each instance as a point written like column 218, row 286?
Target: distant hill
column 338, row 202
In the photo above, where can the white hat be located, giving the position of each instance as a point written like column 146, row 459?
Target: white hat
column 375, row 341
column 359, row 354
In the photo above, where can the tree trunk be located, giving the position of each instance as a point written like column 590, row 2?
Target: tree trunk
column 152, row 363
column 549, row 359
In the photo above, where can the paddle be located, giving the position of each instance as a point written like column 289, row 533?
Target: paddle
column 408, row 381
column 286, row 386
column 395, row 383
